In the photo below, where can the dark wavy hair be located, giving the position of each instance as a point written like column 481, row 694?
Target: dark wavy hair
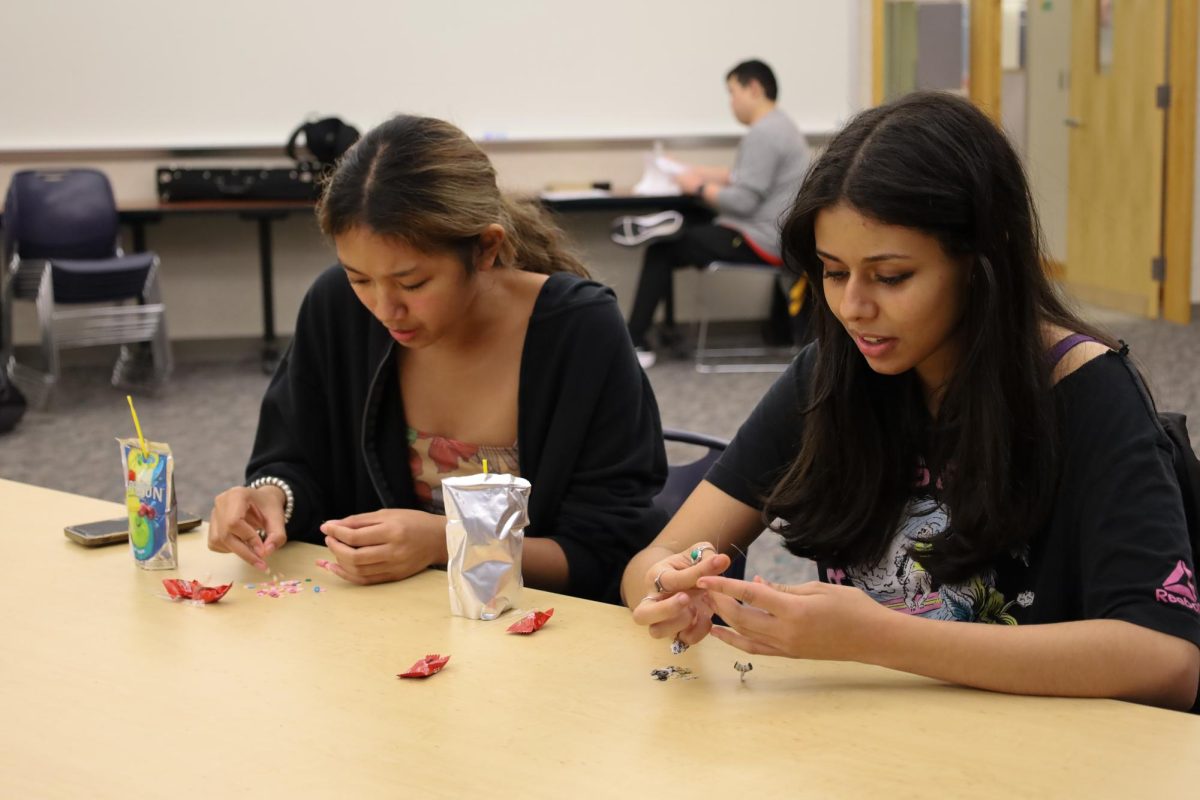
column 423, row 181
column 934, row 163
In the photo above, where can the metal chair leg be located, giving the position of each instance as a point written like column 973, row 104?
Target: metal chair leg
column 160, row 345
column 45, row 312
column 704, row 353
column 702, row 307
column 151, row 363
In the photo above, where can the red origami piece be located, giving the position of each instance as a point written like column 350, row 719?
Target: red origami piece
column 193, row 590
column 533, row 621
column 425, row 667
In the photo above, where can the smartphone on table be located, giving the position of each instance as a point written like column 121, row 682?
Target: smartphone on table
column 115, row 531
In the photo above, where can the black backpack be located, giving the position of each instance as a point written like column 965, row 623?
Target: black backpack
column 327, row 139
column 1185, row 462
column 1187, row 471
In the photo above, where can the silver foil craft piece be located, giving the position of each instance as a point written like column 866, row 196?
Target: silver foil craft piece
column 486, row 517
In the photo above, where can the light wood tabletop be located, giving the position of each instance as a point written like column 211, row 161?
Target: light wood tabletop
column 110, row 690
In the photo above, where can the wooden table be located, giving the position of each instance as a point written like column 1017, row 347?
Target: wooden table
column 110, row 691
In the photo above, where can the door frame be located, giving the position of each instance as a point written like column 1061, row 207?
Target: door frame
column 985, row 37
column 1183, row 26
column 1179, row 182
column 984, row 44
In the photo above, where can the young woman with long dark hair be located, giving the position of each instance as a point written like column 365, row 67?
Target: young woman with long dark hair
column 957, row 446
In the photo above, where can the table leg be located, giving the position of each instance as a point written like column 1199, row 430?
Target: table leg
column 270, row 351
column 138, row 228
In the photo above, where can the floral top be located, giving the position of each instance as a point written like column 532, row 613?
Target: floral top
column 434, row 458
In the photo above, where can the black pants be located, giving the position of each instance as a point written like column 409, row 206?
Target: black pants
column 697, row 246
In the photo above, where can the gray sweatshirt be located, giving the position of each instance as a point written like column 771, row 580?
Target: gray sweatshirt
column 771, row 161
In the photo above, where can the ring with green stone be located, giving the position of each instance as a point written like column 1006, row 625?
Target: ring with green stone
column 698, row 552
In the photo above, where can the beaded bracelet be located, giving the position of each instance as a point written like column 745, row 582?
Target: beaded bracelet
column 280, row 484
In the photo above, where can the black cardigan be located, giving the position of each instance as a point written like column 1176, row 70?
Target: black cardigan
column 588, row 432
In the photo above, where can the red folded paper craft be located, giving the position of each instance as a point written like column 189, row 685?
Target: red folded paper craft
column 425, row 667
column 193, row 590
column 533, row 621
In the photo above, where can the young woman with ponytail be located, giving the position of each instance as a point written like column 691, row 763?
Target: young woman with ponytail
column 455, row 327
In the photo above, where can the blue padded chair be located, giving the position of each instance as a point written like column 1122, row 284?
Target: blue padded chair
column 683, row 478
column 62, row 251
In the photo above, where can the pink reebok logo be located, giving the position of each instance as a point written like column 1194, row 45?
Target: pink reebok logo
column 1179, row 588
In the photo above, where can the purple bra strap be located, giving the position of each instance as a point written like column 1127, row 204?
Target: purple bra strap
column 1062, row 348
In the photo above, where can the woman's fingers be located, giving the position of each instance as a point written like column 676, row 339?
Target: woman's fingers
column 670, row 628
column 359, row 520
column 236, row 521
column 270, row 527
column 216, row 533
column 357, row 557
column 768, row 597
column 746, row 619
column 242, row 540
column 676, row 609
column 686, row 616
column 341, row 572
column 652, row 612
column 744, row 643
column 680, row 572
column 360, row 536
column 701, row 625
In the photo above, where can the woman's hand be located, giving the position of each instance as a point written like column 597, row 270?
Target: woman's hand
column 673, row 607
column 386, row 545
column 811, row 620
column 237, row 517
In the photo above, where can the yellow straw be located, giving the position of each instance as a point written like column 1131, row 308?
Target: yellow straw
column 137, row 426
column 485, row 466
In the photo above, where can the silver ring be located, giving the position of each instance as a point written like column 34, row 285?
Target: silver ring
column 697, row 553
column 262, row 534
column 653, row 597
column 658, row 580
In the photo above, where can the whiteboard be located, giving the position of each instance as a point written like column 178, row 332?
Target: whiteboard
column 218, row 73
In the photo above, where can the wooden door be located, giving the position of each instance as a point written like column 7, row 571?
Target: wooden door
column 1115, row 190
column 1048, row 103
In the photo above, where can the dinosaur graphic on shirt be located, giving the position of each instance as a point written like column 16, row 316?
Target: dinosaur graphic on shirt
column 898, row 581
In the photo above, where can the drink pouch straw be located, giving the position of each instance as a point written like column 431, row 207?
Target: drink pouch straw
column 149, row 471
column 486, row 517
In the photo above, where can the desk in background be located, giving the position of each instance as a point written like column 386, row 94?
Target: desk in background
column 264, row 212
column 689, row 205
column 110, row 691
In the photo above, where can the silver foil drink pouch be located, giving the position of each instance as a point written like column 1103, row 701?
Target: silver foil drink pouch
column 486, row 517
column 150, row 501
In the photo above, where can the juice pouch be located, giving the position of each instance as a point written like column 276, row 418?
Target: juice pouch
column 486, row 517
column 150, row 500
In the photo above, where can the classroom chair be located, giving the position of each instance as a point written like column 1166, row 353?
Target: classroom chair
column 62, row 252
column 735, row 359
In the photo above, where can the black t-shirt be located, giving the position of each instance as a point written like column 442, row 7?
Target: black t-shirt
column 1115, row 546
